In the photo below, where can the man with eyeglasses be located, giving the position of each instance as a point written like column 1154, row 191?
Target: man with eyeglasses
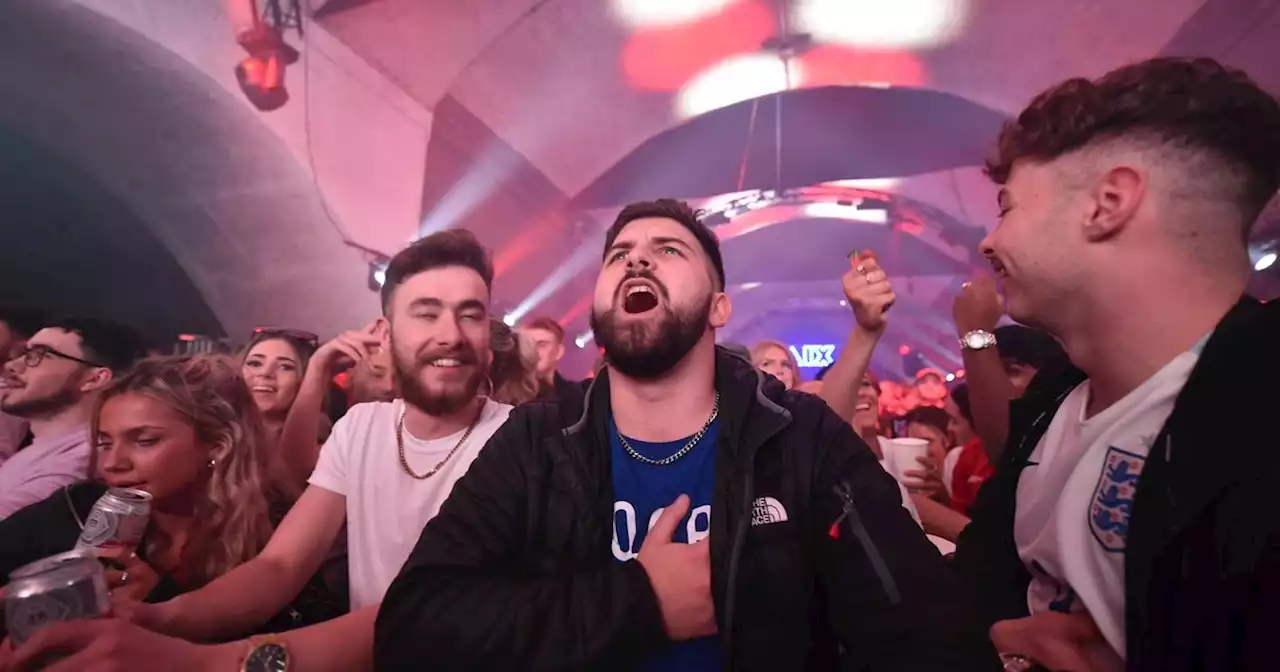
column 52, row 384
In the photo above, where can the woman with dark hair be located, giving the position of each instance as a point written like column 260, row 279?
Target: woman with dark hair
column 272, row 365
column 187, row 431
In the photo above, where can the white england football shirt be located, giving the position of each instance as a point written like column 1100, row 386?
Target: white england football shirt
column 1075, row 495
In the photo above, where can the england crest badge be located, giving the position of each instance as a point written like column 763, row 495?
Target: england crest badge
column 1113, row 498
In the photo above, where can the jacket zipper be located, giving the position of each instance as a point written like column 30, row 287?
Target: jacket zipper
column 849, row 515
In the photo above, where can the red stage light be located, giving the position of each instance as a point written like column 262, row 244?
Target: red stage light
column 664, row 59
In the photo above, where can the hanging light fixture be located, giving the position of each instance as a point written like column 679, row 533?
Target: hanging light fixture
column 261, row 34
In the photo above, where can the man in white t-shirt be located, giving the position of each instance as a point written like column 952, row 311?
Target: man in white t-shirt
column 385, row 471
column 1128, row 522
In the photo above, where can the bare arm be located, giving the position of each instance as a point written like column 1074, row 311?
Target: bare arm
column 989, row 395
column 298, row 445
column 978, row 307
column 870, row 295
column 252, row 593
column 840, row 385
column 344, row 644
column 939, row 520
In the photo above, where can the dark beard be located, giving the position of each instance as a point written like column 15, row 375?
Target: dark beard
column 435, row 403
column 46, row 406
column 645, row 351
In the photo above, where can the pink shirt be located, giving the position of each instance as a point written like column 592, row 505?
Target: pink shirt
column 12, row 432
column 43, row 467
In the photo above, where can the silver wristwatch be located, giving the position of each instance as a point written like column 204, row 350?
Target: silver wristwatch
column 978, row 339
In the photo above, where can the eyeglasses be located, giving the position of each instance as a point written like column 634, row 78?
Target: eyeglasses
column 33, row 355
column 296, row 334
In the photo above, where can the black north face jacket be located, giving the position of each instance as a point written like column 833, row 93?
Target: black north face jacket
column 517, row 573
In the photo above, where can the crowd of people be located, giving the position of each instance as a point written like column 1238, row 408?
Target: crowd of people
column 428, row 491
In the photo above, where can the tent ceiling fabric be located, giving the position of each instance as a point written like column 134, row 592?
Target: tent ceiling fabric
column 219, row 190
column 509, row 64
column 574, row 90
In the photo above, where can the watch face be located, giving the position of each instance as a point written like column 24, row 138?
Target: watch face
column 267, row 658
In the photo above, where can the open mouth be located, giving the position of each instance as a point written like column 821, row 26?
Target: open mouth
column 638, row 299
column 260, row 389
column 998, row 268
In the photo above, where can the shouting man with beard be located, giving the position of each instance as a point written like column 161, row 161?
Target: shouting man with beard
column 384, row 471
column 696, row 516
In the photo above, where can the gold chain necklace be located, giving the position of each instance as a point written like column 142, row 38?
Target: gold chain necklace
column 404, row 461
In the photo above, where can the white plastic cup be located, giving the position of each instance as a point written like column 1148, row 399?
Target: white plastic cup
column 905, row 451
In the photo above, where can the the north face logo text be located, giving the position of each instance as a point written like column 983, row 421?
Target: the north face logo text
column 767, row 510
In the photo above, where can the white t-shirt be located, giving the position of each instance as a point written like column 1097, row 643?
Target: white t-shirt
column 1075, row 495
column 386, row 508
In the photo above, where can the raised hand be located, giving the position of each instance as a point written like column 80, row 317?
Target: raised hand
column 978, row 306
column 351, row 347
column 680, row 575
column 867, row 288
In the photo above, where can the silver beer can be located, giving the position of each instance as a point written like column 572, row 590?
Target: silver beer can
column 59, row 588
column 118, row 517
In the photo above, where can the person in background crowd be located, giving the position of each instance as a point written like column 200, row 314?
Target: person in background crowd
column 931, row 390
column 186, row 430
column 775, row 359
column 52, row 384
column 548, row 336
column 929, row 424
column 513, row 376
column 966, row 467
column 16, row 326
column 273, row 364
column 999, row 361
column 751, row 529
column 1127, row 526
column 385, row 471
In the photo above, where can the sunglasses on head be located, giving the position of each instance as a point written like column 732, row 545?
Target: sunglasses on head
column 295, row 334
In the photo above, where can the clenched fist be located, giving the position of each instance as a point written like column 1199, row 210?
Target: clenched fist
column 869, row 292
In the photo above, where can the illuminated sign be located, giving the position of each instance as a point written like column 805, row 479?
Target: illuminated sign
column 814, row 356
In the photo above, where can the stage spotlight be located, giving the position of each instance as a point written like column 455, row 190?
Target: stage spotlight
column 261, row 74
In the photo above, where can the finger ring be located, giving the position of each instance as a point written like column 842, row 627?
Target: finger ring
column 966, row 285
column 862, row 270
column 124, row 577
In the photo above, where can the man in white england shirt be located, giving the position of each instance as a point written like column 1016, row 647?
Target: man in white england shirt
column 1125, row 206
column 385, row 471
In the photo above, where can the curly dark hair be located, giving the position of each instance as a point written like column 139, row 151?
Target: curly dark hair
column 1194, row 104
column 452, row 247
column 680, row 212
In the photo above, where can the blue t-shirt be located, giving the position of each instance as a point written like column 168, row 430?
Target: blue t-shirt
column 640, row 492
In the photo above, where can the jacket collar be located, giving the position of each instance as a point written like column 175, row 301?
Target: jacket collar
column 1205, row 449
column 750, row 404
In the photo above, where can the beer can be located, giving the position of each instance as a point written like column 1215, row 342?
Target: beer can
column 118, row 517
column 59, row 588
